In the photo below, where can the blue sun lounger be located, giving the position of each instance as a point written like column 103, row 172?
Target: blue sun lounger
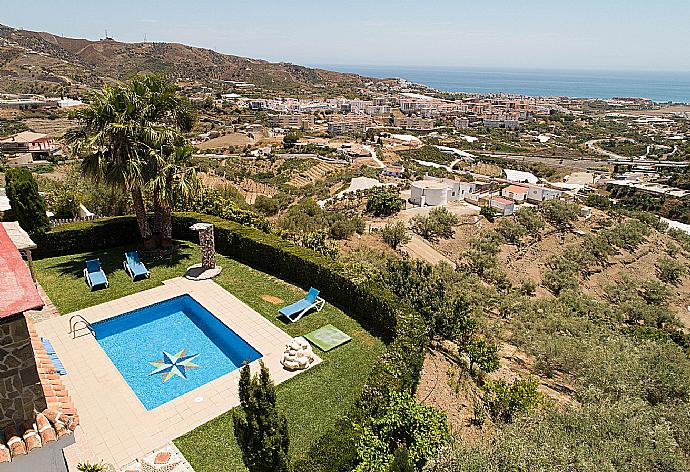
column 298, row 309
column 94, row 275
column 134, row 267
column 50, row 350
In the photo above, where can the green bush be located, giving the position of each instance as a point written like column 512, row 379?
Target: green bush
column 395, row 234
column 531, row 220
column 383, row 202
column 27, row 204
column 670, row 270
column 599, row 201
column 508, row 400
column 511, row 230
column 488, row 212
column 421, row 429
column 266, row 205
column 560, row 214
column 438, row 224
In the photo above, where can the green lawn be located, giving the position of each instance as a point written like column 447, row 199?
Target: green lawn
column 312, row 401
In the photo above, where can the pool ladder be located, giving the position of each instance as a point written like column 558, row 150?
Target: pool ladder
column 74, row 321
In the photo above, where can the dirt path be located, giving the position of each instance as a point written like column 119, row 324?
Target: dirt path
column 418, row 248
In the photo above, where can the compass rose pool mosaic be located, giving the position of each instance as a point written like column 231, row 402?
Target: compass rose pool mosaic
column 170, row 348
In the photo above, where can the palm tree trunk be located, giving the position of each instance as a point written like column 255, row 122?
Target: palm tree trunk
column 166, row 235
column 157, row 218
column 142, row 222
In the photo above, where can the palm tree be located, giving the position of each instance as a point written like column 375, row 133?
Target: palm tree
column 108, row 142
column 121, row 131
column 175, row 181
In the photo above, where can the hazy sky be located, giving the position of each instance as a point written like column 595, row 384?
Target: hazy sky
column 572, row 34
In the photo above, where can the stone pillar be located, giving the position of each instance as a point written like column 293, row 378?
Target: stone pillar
column 207, row 244
column 21, row 393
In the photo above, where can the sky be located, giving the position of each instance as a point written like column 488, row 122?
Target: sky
column 540, row 34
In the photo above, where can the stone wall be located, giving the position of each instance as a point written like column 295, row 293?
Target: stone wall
column 21, row 394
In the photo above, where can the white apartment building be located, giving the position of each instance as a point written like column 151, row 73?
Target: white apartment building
column 349, row 124
column 293, row 120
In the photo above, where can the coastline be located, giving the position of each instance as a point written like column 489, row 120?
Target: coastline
column 660, row 86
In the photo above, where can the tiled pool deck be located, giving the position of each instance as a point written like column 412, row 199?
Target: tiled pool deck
column 114, row 425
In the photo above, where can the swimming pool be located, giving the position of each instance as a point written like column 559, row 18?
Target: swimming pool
column 170, row 348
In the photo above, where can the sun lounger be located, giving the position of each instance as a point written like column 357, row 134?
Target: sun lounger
column 50, row 350
column 298, row 309
column 94, row 275
column 133, row 266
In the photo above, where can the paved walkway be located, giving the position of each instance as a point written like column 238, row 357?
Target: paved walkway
column 114, row 425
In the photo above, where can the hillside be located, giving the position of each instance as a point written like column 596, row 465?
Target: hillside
column 41, row 62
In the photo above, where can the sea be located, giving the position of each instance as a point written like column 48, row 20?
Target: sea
column 659, row 86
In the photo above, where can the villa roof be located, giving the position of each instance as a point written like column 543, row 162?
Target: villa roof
column 503, row 200
column 17, row 289
column 26, row 137
column 516, row 189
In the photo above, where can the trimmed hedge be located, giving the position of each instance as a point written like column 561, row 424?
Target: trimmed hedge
column 85, row 236
column 372, row 305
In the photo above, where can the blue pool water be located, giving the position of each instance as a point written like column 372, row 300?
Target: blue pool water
column 187, row 345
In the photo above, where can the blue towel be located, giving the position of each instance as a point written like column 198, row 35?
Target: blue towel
column 50, row 350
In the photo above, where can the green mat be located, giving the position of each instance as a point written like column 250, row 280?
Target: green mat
column 327, row 337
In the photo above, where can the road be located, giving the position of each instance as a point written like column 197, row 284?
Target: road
column 374, row 157
column 592, row 144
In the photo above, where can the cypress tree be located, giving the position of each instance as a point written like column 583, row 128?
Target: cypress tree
column 27, row 204
column 260, row 429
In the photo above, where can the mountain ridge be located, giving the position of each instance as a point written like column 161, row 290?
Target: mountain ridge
column 31, row 60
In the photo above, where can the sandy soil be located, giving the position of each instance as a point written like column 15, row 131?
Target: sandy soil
column 54, row 128
column 230, row 139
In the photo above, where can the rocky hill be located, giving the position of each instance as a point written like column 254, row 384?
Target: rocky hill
column 42, row 62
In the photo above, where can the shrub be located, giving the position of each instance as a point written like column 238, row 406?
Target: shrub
column 27, row 204
column 316, row 241
column 64, row 204
column 266, row 205
column 383, row 202
column 210, row 202
column 260, row 429
column 439, row 224
column 681, row 238
column 342, row 226
column 670, row 270
column 401, row 461
column 530, row 219
column 481, row 257
column 289, row 140
column 488, row 212
column 511, row 230
column 599, row 201
column 482, row 354
column 508, row 400
column 395, row 234
column 560, row 214
column 528, row 287
column 558, row 282
column 419, row 428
